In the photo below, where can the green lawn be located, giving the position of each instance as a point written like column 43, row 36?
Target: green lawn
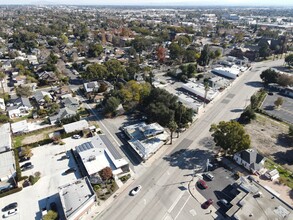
column 286, row 176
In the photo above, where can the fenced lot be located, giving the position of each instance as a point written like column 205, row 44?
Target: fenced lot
column 285, row 112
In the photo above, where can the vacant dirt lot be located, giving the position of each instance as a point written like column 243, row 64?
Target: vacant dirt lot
column 270, row 138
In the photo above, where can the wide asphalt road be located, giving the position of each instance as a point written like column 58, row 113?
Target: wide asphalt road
column 164, row 193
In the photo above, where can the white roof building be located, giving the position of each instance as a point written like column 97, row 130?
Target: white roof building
column 146, row 139
column 5, row 138
column 20, row 127
column 199, row 90
column 231, row 73
column 100, row 153
column 77, row 198
column 76, row 126
column 7, row 166
column 2, row 104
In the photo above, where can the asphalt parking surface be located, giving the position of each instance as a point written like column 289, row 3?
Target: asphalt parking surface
column 285, row 112
column 218, row 188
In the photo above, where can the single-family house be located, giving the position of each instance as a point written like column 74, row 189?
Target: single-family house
column 62, row 114
column 91, row 87
column 250, row 159
column 48, row 77
column 19, row 107
column 40, row 95
column 71, row 103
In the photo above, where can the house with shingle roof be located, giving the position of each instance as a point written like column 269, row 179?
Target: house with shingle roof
column 250, row 159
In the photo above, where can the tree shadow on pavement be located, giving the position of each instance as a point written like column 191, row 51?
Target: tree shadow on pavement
column 188, row 159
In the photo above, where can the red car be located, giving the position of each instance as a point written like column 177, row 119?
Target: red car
column 202, row 184
column 207, row 203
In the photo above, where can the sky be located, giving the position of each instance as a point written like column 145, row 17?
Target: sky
column 156, row 2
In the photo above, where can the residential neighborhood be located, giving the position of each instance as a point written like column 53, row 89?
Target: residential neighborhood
column 146, row 111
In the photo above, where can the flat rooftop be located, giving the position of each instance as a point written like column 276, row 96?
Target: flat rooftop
column 146, row 139
column 7, row 164
column 198, row 89
column 76, row 196
column 5, row 137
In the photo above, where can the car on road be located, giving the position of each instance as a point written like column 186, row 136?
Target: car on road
column 208, row 176
column 10, row 206
column 136, row 190
column 207, row 203
column 9, row 213
column 70, row 170
column 27, row 166
column 76, row 136
column 202, row 184
column 224, row 202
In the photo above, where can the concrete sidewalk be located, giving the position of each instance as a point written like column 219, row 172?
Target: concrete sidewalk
column 198, row 197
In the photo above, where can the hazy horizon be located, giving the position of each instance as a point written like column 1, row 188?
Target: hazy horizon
column 281, row 3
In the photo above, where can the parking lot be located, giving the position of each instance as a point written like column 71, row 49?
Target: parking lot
column 218, row 188
column 285, row 112
column 49, row 160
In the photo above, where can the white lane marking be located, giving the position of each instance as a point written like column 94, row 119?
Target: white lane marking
column 182, row 208
column 144, row 201
column 176, row 201
column 193, row 212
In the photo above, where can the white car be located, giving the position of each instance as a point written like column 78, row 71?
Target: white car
column 136, row 190
column 10, row 213
column 76, row 136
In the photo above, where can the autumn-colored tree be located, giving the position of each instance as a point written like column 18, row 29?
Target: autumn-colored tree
column 106, row 173
column 161, row 54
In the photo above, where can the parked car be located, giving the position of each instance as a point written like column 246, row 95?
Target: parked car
column 207, row 203
column 202, row 184
column 10, row 206
column 208, row 176
column 76, row 136
column 27, row 166
column 23, row 159
column 70, row 170
column 136, row 190
column 10, row 213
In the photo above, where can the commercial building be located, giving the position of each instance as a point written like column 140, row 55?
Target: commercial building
column 7, row 169
column 77, row 198
column 231, row 73
column 100, row 153
column 200, row 91
column 146, row 139
column 250, row 200
column 76, row 126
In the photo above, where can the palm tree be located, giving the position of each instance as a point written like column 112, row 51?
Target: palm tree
column 172, row 127
column 206, row 89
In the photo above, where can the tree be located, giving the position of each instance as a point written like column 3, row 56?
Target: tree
column 290, row 133
column 269, row 76
column 161, row 54
column 115, row 69
column 172, row 127
column 111, row 105
column 289, row 60
column 218, row 53
column 95, row 71
column 176, row 52
column 230, row 136
column 47, row 99
column 204, row 56
column 95, row 50
column 279, row 102
column 285, row 80
column 23, row 91
column 191, row 68
column 247, row 115
column 106, row 174
column 4, row 118
column 206, row 89
column 51, row 215
column 27, row 152
column 264, row 51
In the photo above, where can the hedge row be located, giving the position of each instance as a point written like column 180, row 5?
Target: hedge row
column 15, row 190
